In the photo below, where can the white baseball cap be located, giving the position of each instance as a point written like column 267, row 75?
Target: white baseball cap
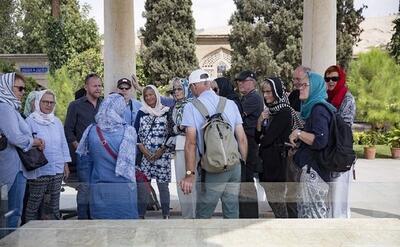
column 199, row 75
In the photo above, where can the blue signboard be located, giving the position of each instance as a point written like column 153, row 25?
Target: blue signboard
column 34, row 70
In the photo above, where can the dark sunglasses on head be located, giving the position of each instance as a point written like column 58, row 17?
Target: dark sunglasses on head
column 333, row 78
column 20, row 88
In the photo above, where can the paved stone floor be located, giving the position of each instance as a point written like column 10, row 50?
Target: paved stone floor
column 212, row 233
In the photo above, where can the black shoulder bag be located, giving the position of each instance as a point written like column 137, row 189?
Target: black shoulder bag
column 32, row 159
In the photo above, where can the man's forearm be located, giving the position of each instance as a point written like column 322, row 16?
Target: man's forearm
column 190, row 156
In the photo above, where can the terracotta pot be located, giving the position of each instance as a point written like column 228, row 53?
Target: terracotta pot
column 395, row 153
column 369, row 153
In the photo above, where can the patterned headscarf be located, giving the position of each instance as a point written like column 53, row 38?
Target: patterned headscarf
column 317, row 95
column 28, row 103
column 177, row 112
column 110, row 118
column 159, row 109
column 6, row 93
column 336, row 96
column 281, row 102
column 38, row 116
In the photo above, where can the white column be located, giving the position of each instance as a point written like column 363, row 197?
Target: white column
column 119, row 42
column 319, row 34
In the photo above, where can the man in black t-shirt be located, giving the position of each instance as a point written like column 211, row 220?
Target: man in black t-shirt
column 252, row 106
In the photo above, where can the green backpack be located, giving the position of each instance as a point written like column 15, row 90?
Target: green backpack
column 221, row 150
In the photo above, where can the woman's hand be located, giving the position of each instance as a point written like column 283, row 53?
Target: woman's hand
column 158, row 153
column 294, row 136
column 66, row 172
column 39, row 143
column 264, row 115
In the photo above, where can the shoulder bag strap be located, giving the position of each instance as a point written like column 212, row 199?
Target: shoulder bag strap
column 105, row 144
column 200, row 106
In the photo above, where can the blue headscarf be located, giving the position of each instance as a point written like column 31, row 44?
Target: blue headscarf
column 317, row 95
column 110, row 118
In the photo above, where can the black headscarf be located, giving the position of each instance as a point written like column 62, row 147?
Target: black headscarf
column 281, row 101
column 227, row 90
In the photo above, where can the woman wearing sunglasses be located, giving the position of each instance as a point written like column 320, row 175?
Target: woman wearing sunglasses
column 341, row 98
column 18, row 134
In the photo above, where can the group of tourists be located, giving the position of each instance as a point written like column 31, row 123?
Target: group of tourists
column 117, row 145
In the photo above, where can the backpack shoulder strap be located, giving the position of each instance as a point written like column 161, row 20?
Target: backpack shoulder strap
column 201, row 107
column 221, row 104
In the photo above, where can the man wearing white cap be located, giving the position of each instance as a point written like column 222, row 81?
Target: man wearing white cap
column 224, row 185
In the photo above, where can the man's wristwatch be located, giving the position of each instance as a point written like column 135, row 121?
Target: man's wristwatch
column 188, row 173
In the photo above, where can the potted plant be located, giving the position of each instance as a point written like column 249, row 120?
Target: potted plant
column 369, row 140
column 393, row 140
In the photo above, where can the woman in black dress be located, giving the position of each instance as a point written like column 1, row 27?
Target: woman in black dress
column 273, row 129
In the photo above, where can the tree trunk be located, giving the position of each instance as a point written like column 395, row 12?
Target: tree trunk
column 55, row 8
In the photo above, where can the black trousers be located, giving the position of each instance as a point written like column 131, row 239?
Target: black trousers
column 248, row 201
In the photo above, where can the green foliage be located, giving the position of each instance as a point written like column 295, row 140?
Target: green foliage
column 56, row 53
column 61, row 84
column 266, row 36
column 394, row 45
column 9, row 20
column 370, row 138
column 348, row 30
column 169, row 37
column 82, row 64
column 7, row 67
column 393, row 138
column 374, row 81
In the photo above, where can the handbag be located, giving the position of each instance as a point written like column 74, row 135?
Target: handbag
column 3, row 142
column 32, row 159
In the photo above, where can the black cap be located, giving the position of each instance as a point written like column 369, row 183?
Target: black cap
column 124, row 81
column 246, row 74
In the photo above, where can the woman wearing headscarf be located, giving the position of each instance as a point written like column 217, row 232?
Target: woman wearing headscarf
column 109, row 145
column 180, row 91
column 153, row 130
column 273, row 129
column 30, row 103
column 314, row 178
column 47, row 178
column 341, row 98
column 18, row 134
column 226, row 89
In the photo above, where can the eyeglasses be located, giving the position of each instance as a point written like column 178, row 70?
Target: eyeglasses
column 301, row 85
column 46, row 102
column 20, row 88
column 124, row 88
column 297, row 79
column 333, row 78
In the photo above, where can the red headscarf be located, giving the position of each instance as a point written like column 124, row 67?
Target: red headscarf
column 336, row 96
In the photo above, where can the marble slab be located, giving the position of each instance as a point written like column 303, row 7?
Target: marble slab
column 213, row 233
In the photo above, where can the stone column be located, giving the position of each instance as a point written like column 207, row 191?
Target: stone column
column 119, row 42
column 319, row 34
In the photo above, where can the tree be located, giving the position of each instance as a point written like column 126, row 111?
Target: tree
column 266, row 36
column 394, row 45
column 169, row 37
column 348, row 30
column 374, row 81
column 61, row 84
column 61, row 37
column 9, row 17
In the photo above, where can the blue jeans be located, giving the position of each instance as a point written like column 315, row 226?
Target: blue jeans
column 83, row 164
column 224, row 186
column 16, row 200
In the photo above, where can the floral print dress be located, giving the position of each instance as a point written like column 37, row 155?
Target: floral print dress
column 153, row 133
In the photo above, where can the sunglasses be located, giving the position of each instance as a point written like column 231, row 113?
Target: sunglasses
column 124, row 88
column 333, row 78
column 20, row 88
column 301, row 85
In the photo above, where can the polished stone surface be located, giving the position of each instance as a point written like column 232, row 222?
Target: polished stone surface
column 216, row 232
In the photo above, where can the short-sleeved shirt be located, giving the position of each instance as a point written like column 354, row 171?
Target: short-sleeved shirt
column 193, row 118
column 252, row 105
column 132, row 108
